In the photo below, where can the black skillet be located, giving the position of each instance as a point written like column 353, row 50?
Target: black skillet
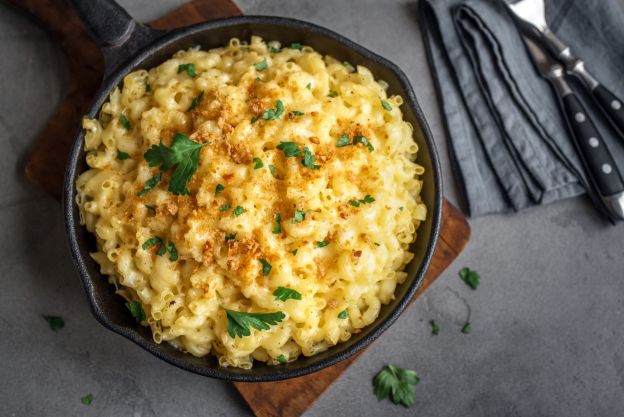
column 128, row 45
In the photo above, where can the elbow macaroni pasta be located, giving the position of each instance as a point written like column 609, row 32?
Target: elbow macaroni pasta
column 218, row 252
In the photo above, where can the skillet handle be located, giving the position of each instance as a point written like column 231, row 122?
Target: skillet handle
column 114, row 31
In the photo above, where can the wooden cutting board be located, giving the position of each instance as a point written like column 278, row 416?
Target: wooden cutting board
column 46, row 164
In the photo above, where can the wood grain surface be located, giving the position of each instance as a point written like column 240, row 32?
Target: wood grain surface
column 46, row 165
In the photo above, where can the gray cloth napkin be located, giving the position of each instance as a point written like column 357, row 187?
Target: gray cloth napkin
column 508, row 138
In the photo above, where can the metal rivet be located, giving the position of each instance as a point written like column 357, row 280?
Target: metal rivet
column 593, row 142
column 606, row 168
column 616, row 105
column 579, row 117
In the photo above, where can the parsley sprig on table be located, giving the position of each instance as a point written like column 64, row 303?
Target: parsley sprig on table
column 397, row 383
column 183, row 155
column 470, row 277
column 239, row 323
column 284, row 293
column 56, row 323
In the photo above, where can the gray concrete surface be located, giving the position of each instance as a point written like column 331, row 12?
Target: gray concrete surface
column 547, row 319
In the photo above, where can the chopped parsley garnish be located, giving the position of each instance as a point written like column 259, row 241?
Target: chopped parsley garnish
column 238, row 210
column 136, row 310
column 257, row 163
column 231, row 236
column 299, row 216
column 219, row 188
column 289, row 148
column 283, row 294
column 397, row 383
column 262, row 65
column 266, row 266
column 343, row 141
column 189, row 68
column 435, row 329
column 277, row 228
column 196, row 101
column 343, row 315
column 225, row 207
column 238, row 322
column 309, row 159
column 354, row 203
column 309, row 86
column 87, row 399
column 272, row 169
column 183, row 154
column 173, row 252
column 322, row 244
column 273, row 114
column 470, row 277
column 297, row 113
column 281, row 359
column 377, row 244
column 367, row 199
column 123, row 120
column 162, row 249
column 296, row 45
column 152, row 209
column 466, row 329
column 151, row 183
column 122, row 155
column 257, row 79
column 401, row 208
column 254, row 120
column 152, row 242
column 294, row 252
column 363, row 141
column 56, row 323
column 386, row 105
column 273, row 49
column 332, row 94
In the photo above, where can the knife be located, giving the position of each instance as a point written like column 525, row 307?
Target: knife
column 532, row 15
column 598, row 161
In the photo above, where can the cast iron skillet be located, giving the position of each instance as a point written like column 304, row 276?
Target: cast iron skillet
column 128, row 45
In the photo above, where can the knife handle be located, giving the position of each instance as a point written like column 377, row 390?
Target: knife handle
column 592, row 149
column 612, row 106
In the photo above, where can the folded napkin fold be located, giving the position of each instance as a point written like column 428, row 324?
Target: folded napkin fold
column 508, row 138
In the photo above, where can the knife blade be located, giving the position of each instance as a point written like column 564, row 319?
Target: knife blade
column 531, row 15
column 593, row 151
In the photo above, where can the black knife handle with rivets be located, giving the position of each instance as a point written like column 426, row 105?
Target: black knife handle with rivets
column 592, row 149
column 612, row 106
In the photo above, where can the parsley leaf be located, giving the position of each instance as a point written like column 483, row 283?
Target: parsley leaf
column 136, row 310
column 401, row 208
column 466, row 329
column 189, row 68
column 254, row 120
column 367, row 199
column 123, row 120
column 231, row 236
column 343, row 141
column 283, row 294
column 344, row 314
column 470, row 277
column 309, row 86
column 272, row 169
column 435, row 329
column 363, row 141
column 87, row 399
column 354, row 203
column 225, row 207
column 56, row 323
column 272, row 114
column 257, row 163
column 152, row 242
column 173, row 252
column 332, row 94
column 289, row 148
column 161, row 250
column 281, row 359
column 196, row 101
column 238, row 210
column 397, row 383
column 308, row 159
column 299, row 216
column 277, row 228
column 296, row 45
column 219, row 188
column 322, row 244
column 273, row 49
column 296, row 113
column 183, row 154
column 266, row 266
column 238, row 322
column 122, row 155
column 262, row 65
column 151, row 183
column 294, row 252
column 386, row 105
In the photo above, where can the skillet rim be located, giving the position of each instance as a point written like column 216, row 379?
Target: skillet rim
column 72, row 223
